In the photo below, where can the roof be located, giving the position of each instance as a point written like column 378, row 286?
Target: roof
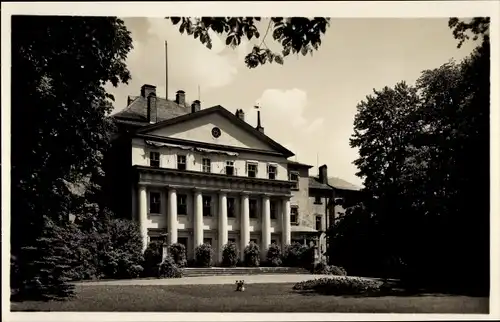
column 314, row 183
column 298, row 164
column 166, row 109
column 225, row 113
column 303, row 229
column 341, row 184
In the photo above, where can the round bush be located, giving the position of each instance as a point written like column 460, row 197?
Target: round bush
column 295, row 255
column 230, row 255
column 324, row 269
column 152, row 258
column 203, row 255
column 178, row 253
column 252, row 255
column 340, row 286
column 274, row 255
column 168, row 269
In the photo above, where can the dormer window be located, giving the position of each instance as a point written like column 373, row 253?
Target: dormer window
column 230, row 168
column 181, row 162
column 252, row 169
column 272, row 171
column 154, row 159
column 294, row 177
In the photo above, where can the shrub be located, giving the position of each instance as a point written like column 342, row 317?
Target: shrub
column 168, row 269
column 274, row 255
column 325, row 269
column 178, row 253
column 252, row 255
column 152, row 258
column 295, row 255
column 340, row 286
column 230, row 255
column 204, row 255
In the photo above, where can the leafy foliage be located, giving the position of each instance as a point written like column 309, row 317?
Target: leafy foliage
column 294, row 35
column 340, row 286
column 325, row 269
column 230, row 255
column 252, row 255
column 424, row 157
column 178, row 253
column 273, row 255
column 152, row 258
column 168, row 269
column 295, row 255
column 204, row 254
column 59, row 124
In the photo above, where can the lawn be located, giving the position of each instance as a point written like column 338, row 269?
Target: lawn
column 256, row 298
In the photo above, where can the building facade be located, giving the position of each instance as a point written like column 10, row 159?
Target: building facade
column 207, row 176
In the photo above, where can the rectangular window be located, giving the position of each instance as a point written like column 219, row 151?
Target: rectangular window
column 318, row 223
column 272, row 206
column 317, row 200
column 207, row 241
column 230, row 207
column 181, row 205
column 230, row 168
column 206, row 165
column 181, row 162
column 183, row 241
column 231, row 240
column 253, row 208
column 154, row 159
column 271, row 172
column 207, row 206
column 294, row 215
column 294, row 177
column 154, row 202
column 252, row 170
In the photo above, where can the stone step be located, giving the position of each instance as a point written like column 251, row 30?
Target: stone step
column 243, row 271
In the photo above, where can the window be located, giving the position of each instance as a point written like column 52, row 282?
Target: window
column 183, row 241
column 294, row 177
column 271, row 171
column 272, row 206
column 181, row 162
column 206, row 165
column 318, row 223
column 253, row 241
column 207, row 241
column 154, row 159
column 317, row 200
column 231, row 240
column 155, row 238
column 207, row 206
column 230, row 207
column 181, row 204
column 252, row 170
column 294, row 215
column 154, row 202
column 230, row 168
column 253, row 208
column 273, row 241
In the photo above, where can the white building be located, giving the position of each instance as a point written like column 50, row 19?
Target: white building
column 207, row 176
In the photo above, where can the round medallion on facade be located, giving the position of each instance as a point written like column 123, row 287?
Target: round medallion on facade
column 216, row 132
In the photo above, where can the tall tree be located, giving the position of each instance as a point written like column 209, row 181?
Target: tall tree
column 59, row 107
column 294, row 35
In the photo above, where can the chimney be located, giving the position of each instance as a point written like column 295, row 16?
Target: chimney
column 180, row 97
column 259, row 127
column 152, row 111
column 240, row 114
column 323, row 174
column 147, row 89
column 196, row 106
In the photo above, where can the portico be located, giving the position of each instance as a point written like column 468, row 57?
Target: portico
column 214, row 205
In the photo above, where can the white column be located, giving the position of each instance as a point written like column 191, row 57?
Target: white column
column 143, row 216
column 286, row 227
column 172, row 216
column 266, row 226
column 222, row 223
column 245, row 224
column 198, row 218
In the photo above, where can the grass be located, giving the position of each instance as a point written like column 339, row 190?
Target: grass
column 256, row 298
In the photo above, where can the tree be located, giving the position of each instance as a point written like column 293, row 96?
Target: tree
column 294, row 35
column 59, row 115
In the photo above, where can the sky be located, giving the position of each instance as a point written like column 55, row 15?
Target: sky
column 309, row 103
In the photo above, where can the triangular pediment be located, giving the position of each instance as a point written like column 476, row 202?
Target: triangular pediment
column 215, row 125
